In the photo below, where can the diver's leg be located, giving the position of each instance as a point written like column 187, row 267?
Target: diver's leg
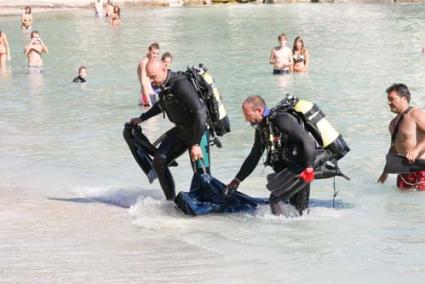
column 170, row 149
column 301, row 199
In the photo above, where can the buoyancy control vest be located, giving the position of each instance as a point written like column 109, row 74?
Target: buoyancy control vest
column 315, row 123
column 218, row 120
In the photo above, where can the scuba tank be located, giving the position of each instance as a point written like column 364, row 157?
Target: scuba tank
column 218, row 120
column 330, row 139
column 317, row 124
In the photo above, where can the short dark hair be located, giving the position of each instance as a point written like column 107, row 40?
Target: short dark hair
column 29, row 8
column 33, row 33
column 153, row 45
column 81, row 67
column 166, row 55
column 255, row 101
column 401, row 89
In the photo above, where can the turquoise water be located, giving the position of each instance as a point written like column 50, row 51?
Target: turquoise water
column 63, row 139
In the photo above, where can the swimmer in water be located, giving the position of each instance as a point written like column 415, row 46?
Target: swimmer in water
column 281, row 57
column 300, row 55
column 33, row 50
column 82, row 74
column 167, row 59
column 26, row 19
column 147, row 93
column 98, row 8
column 116, row 16
column 109, row 9
column 4, row 50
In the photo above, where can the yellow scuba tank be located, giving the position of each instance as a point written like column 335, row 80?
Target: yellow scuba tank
column 207, row 77
column 330, row 139
column 218, row 121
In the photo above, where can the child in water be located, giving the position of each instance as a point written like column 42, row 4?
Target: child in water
column 82, row 74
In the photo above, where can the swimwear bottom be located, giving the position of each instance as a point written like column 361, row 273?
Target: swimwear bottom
column 35, row 69
column 280, row 72
column 411, row 180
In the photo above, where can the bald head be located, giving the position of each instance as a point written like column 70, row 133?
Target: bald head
column 156, row 71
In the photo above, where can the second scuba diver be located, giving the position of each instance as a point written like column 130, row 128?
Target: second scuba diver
column 292, row 152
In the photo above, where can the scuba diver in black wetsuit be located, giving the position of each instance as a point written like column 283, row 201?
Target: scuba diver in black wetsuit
column 181, row 103
column 298, row 152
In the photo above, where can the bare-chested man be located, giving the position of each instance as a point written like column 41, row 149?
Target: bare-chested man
column 147, row 93
column 407, row 135
column 33, row 50
column 281, row 57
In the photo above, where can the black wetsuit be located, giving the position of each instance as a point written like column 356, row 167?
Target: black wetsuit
column 297, row 147
column 79, row 79
column 181, row 103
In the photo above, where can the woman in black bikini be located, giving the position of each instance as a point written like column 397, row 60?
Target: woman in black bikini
column 300, row 56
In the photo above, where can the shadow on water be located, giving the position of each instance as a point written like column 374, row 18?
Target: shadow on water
column 126, row 200
column 339, row 204
column 117, row 198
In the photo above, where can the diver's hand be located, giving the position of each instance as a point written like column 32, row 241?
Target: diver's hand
column 135, row 120
column 232, row 187
column 383, row 177
column 307, row 175
column 196, row 152
column 412, row 155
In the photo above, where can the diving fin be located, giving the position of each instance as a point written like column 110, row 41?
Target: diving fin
column 139, row 153
column 397, row 164
column 286, row 182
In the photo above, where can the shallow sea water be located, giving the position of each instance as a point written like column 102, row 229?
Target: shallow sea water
column 76, row 208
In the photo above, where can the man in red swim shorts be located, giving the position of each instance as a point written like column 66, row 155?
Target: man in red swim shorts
column 407, row 135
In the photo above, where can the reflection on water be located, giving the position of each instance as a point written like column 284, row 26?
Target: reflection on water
column 58, row 136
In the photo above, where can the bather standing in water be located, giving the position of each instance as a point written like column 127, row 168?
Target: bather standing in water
column 109, row 9
column 407, row 131
column 147, row 94
column 33, row 50
column 26, row 19
column 116, row 16
column 4, row 50
column 300, row 56
column 281, row 57
column 98, row 8
column 167, row 59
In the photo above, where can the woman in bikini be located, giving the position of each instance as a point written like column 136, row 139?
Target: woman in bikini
column 116, row 16
column 300, row 55
column 26, row 19
column 4, row 50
